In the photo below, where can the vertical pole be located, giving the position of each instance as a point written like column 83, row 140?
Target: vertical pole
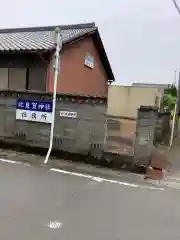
column 176, row 110
column 56, row 72
column 175, row 77
column 173, row 126
column 178, row 104
column 178, row 93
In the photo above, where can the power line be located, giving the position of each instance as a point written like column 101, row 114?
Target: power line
column 176, row 6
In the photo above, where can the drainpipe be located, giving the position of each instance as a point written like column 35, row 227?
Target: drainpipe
column 173, row 126
column 56, row 73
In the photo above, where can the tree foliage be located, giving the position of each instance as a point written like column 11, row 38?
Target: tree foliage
column 170, row 95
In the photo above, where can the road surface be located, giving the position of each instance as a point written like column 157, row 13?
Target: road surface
column 39, row 204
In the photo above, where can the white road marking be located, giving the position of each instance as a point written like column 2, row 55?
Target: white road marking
column 128, row 184
column 99, row 179
column 54, row 224
column 71, row 173
column 152, row 188
column 109, row 180
column 8, row 161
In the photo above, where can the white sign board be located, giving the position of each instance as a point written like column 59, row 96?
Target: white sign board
column 89, row 61
column 33, row 110
column 68, row 114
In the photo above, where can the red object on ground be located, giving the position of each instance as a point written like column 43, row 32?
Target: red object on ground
column 158, row 165
column 154, row 174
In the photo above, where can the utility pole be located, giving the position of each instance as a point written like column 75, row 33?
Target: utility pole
column 56, row 73
column 177, row 107
column 178, row 91
column 177, row 85
column 175, row 77
column 175, row 121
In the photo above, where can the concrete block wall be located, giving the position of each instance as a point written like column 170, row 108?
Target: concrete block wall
column 76, row 135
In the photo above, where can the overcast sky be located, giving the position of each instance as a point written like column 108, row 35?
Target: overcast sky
column 141, row 37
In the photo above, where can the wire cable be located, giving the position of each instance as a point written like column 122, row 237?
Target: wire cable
column 176, row 6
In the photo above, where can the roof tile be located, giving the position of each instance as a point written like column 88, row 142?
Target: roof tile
column 40, row 38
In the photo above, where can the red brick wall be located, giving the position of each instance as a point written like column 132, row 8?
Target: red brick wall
column 77, row 78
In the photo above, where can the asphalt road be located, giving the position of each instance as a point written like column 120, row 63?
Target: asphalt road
column 36, row 203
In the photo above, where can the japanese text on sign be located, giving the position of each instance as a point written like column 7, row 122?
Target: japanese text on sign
column 68, row 114
column 33, row 110
column 89, row 61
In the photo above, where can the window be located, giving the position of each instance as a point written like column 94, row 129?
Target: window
column 37, row 79
column 17, row 78
column 3, row 78
column 23, row 78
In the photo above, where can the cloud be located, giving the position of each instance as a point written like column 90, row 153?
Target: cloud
column 142, row 37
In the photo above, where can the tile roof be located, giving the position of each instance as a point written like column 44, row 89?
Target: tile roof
column 40, row 38
column 14, row 92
